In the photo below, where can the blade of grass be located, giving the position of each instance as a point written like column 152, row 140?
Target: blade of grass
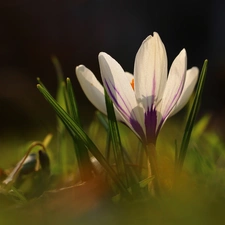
column 77, row 131
column 58, row 69
column 72, row 102
column 116, row 141
column 142, row 184
column 192, row 117
column 130, row 169
column 103, row 121
column 82, row 155
column 201, row 126
column 62, row 145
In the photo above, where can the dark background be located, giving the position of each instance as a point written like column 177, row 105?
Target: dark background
column 76, row 31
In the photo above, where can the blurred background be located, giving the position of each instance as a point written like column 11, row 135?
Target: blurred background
column 75, row 31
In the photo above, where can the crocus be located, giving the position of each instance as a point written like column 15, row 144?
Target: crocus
column 145, row 100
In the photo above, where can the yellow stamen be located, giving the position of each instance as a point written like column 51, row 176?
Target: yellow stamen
column 132, row 83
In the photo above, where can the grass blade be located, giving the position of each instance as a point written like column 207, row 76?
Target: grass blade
column 62, row 155
column 192, row 117
column 78, row 132
column 82, row 155
column 115, row 138
column 58, row 69
column 72, row 102
column 103, row 121
column 131, row 171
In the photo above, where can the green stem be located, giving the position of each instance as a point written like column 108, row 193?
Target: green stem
column 152, row 160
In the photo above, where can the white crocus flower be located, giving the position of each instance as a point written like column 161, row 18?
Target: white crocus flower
column 146, row 99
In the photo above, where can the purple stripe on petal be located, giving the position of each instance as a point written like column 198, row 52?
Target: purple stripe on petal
column 112, row 91
column 124, row 109
column 150, row 124
column 171, row 105
column 175, row 99
column 113, row 97
column 137, row 127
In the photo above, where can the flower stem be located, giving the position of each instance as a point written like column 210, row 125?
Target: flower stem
column 152, row 160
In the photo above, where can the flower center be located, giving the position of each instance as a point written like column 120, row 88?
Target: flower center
column 132, row 83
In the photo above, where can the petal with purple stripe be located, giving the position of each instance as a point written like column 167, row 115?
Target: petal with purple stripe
column 119, row 89
column 174, row 85
column 189, row 84
column 150, row 70
column 93, row 89
column 150, row 124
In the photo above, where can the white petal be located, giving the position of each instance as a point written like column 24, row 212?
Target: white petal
column 119, row 89
column 189, row 84
column 130, row 76
column 174, row 85
column 150, row 71
column 93, row 89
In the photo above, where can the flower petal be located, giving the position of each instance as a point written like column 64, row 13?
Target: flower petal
column 150, row 71
column 130, row 76
column 120, row 91
column 189, row 84
column 174, row 86
column 93, row 89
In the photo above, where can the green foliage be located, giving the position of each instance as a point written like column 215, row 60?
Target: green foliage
column 199, row 160
column 116, row 142
column 191, row 118
column 76, row 131
column 81, row 151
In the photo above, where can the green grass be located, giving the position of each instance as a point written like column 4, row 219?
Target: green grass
column 99, row 174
